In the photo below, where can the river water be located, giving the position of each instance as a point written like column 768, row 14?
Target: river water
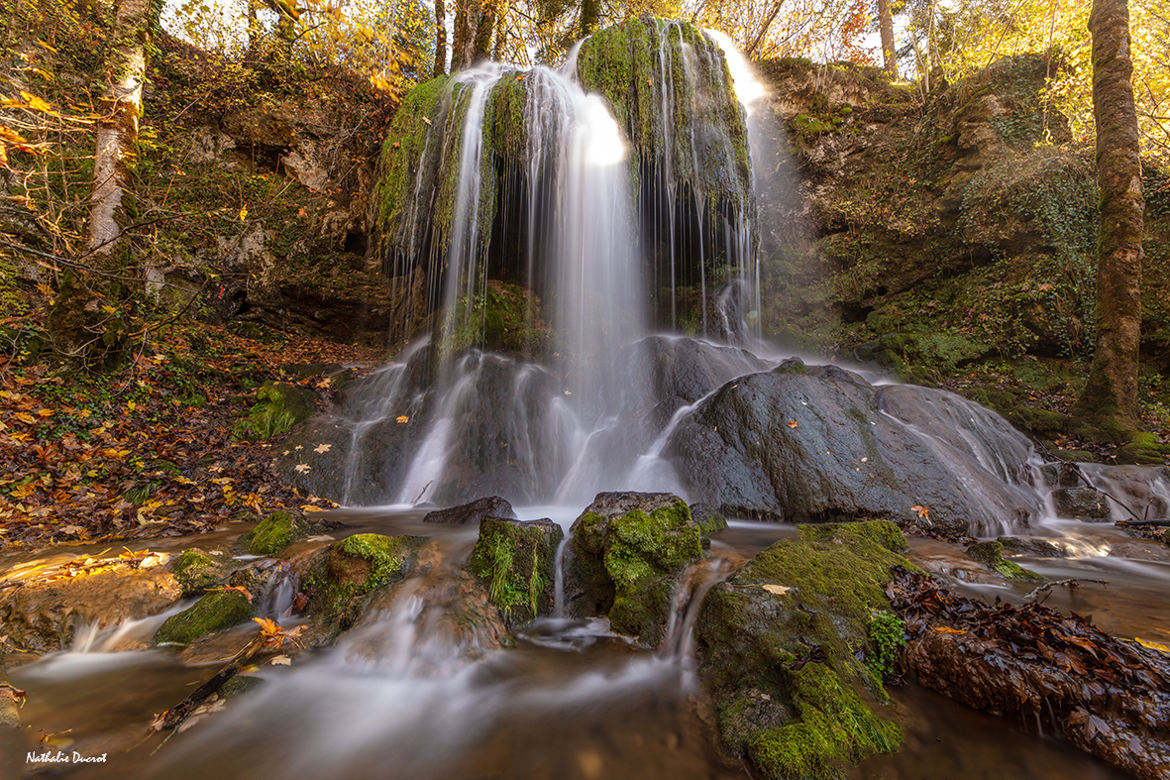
column 396, row 697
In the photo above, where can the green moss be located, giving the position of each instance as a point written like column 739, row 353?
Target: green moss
column 833, row 730
column 340, row 577
column 883, row 533
column 516, row 560
column 195, row 571
column 215, row 611
column 887, row 637
column 990, row 554
column 279, row 406
column 275, row 532
column 795, row 642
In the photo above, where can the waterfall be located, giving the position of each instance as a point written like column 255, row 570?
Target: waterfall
column 537, row 227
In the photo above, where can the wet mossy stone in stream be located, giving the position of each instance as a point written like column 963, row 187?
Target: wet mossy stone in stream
column 279, row 406
column 627, row 551
column 787, row 650
column 340, row 577
column 214, row 612
column 517, row 562
column 990, row 554
column 196, row 571
column 276, row 532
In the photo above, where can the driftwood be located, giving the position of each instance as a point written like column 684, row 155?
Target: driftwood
column 175, row 716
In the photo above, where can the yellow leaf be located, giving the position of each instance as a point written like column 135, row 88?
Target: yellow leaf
column 45, row 412
column 921, row 511
column 311, row 508
column 949, row 630
column 243, row 213
column 25, row 417
column 402, row 419
column 35, row 102
column 1152, row 645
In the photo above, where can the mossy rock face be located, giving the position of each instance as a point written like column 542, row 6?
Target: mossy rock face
column 215, row 611
column 517, row 562
column 276, row 532
column 279, row 406
column 785, row 648
column 340, row 577
column 626, row 553
column 196, row 571
column 990, row 554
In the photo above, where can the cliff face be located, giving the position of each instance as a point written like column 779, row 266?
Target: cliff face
column 947, row 237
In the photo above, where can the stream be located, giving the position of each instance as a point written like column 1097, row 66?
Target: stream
column 395, row 697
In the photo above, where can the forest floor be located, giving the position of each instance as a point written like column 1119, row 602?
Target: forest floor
column 153, row 449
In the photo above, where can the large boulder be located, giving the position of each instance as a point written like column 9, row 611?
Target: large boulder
column 626, row 554
column 473, row 512
column 339, row 579
column 820, row 443
column 517, row 562
column 792, row 649
column 41, row 612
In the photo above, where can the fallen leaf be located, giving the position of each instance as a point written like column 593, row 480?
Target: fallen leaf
column 778, row 590
column 792, row 423
column 321, row 449
column 281, row 660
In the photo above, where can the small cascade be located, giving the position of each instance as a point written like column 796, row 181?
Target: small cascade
column 679, row 644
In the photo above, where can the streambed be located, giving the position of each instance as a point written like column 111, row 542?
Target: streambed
column 392, row 698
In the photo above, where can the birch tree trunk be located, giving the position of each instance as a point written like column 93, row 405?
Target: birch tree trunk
column 117, row 133
column 1109, row 400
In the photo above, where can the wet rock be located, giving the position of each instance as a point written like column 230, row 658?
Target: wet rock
column 990, row 554
column 40, row 616
column 781, row 646
column 196, row 571
column 473, row 512
column 1109, row 697
column 215, row 611
column 517, row 562
column 1037, row 548
column 1081, row 503
column 276, row 532
column 624, row 559
column 708, row 519
column 279, row 406
column 819, row 443
column 338, row 579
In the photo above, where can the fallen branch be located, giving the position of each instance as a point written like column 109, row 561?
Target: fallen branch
column 1142, row 522
column 1072, row 582
column 181, row 711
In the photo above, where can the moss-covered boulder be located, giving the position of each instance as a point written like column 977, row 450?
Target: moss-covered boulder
column 276, row 532
column 196, row 571
column 990, row 554
column 625, row 556
column 792, row 648
column 214, row 612
column 279, row 406
column 339, row 578
column 517, row 562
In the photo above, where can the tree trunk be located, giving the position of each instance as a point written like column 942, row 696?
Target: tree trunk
column 753, row 50
column 1109, row 400
column 467, row 14
column 484, row 31
column 440, row 37
column 117, row 132
column 590, row 13
column 889, row 53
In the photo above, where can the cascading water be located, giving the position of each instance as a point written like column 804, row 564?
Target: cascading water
column 536, row 226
